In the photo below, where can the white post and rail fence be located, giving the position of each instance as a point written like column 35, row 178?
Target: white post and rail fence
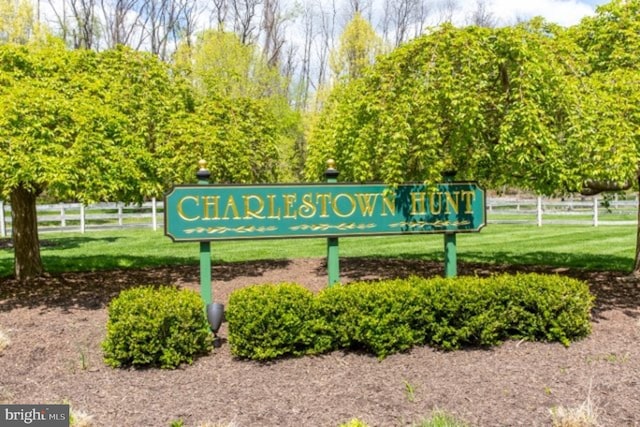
column 594, row 211
column 591, row 211
column 77, row 217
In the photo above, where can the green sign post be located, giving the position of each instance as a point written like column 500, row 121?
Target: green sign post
column 450, row 246
column 207, row 212
column 333, row 258
column 205, row 246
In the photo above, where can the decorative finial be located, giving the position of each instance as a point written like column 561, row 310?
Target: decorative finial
column 203, row 173
column 331, row 164
column 331, row 172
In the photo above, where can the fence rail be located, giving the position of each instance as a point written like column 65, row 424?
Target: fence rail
column 592, row 211
column 80, row 218
column 76, row 217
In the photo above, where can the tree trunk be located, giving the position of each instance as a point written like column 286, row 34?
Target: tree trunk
column 26, row 244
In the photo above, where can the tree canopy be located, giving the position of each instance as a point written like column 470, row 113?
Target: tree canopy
column 476, row 100
column 513, row 105
column 357, row 49
column 535, row 106
column 238, row 138
column 532, row 105
column 116, row 125
column 77, row 125
column 241, row 117
column 16, row 21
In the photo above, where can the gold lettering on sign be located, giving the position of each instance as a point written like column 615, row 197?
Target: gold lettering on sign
column 253, row 213
column 324, row 205
column 418, row 206
column 289, row 209
column 351, row 200
column 325, row 200
column 452, row 202
column 389, row 202
column 180, row 208
column 308, row 208
column 468, row 198
column 432, row 202
column 209, row 203
column 366, row 204
column 231, row 207
column 273, row 213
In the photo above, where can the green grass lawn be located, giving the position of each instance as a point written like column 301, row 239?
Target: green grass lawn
column 595, row 248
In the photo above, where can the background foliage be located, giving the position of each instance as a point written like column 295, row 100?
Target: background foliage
column 514, row 105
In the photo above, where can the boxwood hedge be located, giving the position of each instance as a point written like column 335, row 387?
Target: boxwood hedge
column 156, row 326
column 384, row 317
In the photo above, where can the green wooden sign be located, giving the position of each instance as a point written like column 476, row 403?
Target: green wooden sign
column 228, row 212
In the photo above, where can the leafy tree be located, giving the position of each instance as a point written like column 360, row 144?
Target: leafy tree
column 533, row 105
column 76, row 125
column 219, row 64
column 16, row 21
column 226, row 73
column 611, row 42
column 476, row 100
column 611, row 38
column 357, row 49
column 237, row 136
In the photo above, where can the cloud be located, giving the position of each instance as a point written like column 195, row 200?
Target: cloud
column 561, row 12
column 507, row 12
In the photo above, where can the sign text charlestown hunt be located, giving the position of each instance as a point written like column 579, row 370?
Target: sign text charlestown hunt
column 227, row 212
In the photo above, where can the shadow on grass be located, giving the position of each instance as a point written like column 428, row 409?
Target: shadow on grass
column 55, row 263
column 592, row 262
column 93, row 290
column 62, row 242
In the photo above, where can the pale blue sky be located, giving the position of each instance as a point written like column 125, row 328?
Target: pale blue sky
column 563, row 12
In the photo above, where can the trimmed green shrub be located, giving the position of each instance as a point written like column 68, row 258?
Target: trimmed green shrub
column 378, row 317
column 461, row 311
column 386, row 317
column 485, row 311
column 545, row 307
column 268, row 321
column 162, row 326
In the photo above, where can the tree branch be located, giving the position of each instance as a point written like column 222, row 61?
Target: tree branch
column 591, row 187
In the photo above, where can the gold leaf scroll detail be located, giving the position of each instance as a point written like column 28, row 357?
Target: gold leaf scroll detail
column 422, row 224
column 325, row 227
column 222, row 230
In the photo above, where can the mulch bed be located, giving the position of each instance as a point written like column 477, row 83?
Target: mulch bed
column 56, row 326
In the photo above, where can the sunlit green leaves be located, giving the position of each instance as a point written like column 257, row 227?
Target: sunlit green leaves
column 611, row 38
column 16, row 21
column 82, row 125
column 226, row 77
column 518, row 105
column 237, row 137
column 357, row 49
